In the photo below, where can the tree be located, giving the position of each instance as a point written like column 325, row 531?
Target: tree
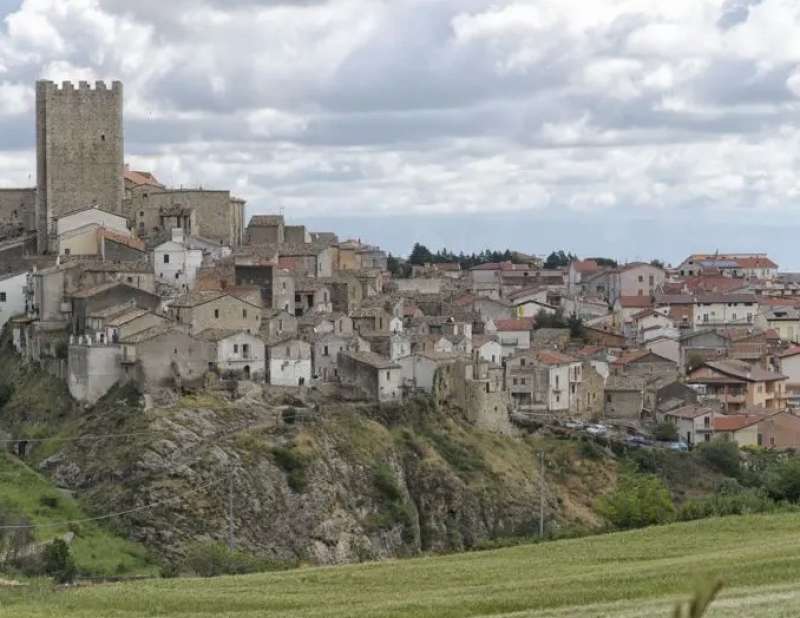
column 657, row 263
column 694, row 361
column 420, row 255
column 607, row 262
column 722, row 455
column 549, row 319
column 558, row 260
column 575, row 325
column 639, row 500
column 399, row 268
column 666, row 432
column 58, row 562
column 783, row 480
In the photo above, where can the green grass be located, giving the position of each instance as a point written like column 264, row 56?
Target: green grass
column 96, row 550
column 638, row 573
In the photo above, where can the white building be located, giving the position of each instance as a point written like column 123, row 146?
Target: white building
column 175, row 263
column 236, row 352
column 290, row 363
column 419, row 370
column 12, row 295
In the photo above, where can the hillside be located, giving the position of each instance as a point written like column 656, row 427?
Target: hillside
column 347, row 483
column 639, row 573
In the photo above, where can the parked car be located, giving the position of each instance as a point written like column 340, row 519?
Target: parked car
column 596, row 430
column 679, row 446
column 638, row 440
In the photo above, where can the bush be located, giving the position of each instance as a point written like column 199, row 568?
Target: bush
column 51, row 502
column 639, row 500
column 58, row 562
column 215, row 559
column 722, row 456
column 6, row 393
column 294, row 464
column 666, row 432
column 782, row 480
column 588, row 449
column 728, row 501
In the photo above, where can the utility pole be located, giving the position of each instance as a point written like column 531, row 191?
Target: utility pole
column 541, row 494
column 231, row 540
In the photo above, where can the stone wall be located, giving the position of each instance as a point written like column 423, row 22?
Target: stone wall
column 93, row 370
column 17, row 211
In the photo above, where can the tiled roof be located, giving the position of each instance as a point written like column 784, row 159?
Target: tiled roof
column 735, row 422
column 141, row 178
column 218, row 334
column 373, row 360
column 585, row 266
column 514, row 325
column 128, row 241
column 631, row 302
column 265, row 220
column 691, row 411
column 551, row 357
column 744, row 371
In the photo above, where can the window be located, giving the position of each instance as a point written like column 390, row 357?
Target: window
column 246, row 350
column 216, row 314
column 130, row 279
column 177, row 276
column 244, row 314
column 3, row 297
column 387, row 375
column 707, row 437
column 102, row 137
column 652, row 281
column 706, row 421
column 514, row 381
column 141, row 213
column 166, row 258
column 522, row 362
column 66, row 251
column 284, row 285
column 235, row 348
column 325, row 351
column 288, row 351
column 556, row 381
column 280, row 325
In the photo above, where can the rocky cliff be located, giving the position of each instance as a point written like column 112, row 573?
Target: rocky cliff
column 326, row 483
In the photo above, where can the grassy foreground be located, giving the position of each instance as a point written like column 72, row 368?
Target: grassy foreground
column 96, row 550
column 639, row 573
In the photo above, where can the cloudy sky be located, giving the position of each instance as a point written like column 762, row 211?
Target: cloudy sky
column 630, row 128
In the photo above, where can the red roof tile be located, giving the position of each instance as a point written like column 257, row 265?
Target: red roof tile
column 632, row 302
column 518, row 325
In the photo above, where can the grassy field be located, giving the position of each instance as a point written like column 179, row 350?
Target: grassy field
column 97, row 551
column 639, row 573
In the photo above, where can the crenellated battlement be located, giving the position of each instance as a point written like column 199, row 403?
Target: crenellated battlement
column 82, row 86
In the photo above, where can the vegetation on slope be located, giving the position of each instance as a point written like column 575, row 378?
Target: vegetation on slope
column 641, row 572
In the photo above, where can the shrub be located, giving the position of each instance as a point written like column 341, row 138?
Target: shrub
column 639, row 500
column 58, row 562
column 666, row 432
column 6, row 393
column 722, row 456
column 294, row 464
column 729, row 502
column 783, row 480
column 396, row 509
column 214, row 559
column 589, row 449
column 51, row 502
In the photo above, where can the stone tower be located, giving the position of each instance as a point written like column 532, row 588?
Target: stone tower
column 79, row 151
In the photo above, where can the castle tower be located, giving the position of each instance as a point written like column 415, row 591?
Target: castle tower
column 79, row 151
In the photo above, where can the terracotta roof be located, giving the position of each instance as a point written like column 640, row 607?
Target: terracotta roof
column 128, row 241
column 632, row 356
column 141, row 178
column 756, row 262
column 631, row 302
column 585, row 266
column 735, row 422
column 518, row 325
column 218, row 334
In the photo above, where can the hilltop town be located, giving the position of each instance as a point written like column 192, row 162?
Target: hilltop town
column 110, row 277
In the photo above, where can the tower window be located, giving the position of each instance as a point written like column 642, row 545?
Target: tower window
column 102, row 137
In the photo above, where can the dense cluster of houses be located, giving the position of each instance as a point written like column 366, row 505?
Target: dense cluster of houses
column 712, row 345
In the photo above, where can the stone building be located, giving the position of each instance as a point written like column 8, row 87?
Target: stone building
column 214, row 215
column 377, row 377
column 264, row 229
column 218, row 310
column 79, row 150
column 289, row 362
